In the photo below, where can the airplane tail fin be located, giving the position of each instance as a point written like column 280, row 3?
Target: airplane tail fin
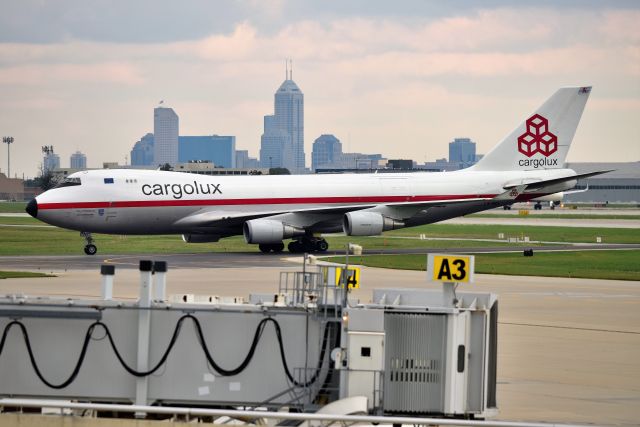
column 541, row 141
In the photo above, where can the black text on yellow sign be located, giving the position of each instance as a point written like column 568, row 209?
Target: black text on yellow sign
column 450, row 268
column 353, row 277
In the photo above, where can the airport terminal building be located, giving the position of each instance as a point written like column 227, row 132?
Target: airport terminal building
column 622, row 185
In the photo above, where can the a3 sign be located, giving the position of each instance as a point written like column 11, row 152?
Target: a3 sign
column 450, row 268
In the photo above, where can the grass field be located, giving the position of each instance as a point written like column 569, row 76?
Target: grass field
column 12, row 207
column 555, row 216
column 620, row 265
column 545, row 234
column 56, row 241
column 21, row 274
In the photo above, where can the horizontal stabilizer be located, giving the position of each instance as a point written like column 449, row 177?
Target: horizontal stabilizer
column 549, row 182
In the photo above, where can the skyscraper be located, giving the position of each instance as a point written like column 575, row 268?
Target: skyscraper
column 142, row 152
column 283, row 137
column 275, row 146
column 327, row 149
column 78, row 161
column 165, row 132
column 463, row 152
column 51, row 161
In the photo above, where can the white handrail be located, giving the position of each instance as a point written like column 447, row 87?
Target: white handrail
column 169, row 410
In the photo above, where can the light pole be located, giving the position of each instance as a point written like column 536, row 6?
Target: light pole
column 8, row 140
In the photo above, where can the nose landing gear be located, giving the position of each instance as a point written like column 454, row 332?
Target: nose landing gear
column 90, row 248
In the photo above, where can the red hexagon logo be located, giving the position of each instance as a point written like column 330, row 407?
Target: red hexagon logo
column 537, row 138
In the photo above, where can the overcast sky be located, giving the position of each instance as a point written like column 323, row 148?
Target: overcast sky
column 399, row 78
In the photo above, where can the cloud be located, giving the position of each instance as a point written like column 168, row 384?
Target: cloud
column 620, row 27
column 108, row 72
column 378, row 78
column 240, row 44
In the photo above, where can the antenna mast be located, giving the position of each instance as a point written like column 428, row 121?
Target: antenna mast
column 288, row 69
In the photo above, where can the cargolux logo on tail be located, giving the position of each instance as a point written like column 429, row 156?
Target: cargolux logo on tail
column 538, row 139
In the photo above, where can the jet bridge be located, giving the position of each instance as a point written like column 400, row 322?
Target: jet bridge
column 408, row 351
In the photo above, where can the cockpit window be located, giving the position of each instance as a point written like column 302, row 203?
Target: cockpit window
column 68, row 182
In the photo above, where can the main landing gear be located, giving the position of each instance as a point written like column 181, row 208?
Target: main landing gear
column 90, row 248
column 303, row 244
column 308, row 244
column 271, row 247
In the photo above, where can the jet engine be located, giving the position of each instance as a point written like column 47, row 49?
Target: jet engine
column 268, row 231
column 200, row 238
column 368, row 223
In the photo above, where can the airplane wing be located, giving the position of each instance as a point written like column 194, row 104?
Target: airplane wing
column 306, row 217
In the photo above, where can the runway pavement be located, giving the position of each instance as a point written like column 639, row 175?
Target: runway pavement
column 175, row 261
column 246, row 259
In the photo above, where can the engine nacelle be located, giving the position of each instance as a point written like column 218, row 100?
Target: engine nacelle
column 266, row 231
column 555, row 197
column 368, row 223
column 200, row 238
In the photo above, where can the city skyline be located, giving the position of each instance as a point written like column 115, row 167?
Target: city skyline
column 399, row 79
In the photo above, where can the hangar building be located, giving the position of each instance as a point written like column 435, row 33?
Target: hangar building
column 622, row 185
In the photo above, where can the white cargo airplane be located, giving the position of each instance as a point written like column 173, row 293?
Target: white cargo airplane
column 528, row 163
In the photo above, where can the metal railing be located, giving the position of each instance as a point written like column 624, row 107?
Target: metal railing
column 328, row 418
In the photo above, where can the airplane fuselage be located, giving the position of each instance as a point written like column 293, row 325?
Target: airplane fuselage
column 128, row 201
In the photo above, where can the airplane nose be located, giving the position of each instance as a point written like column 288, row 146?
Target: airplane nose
column 32, row 208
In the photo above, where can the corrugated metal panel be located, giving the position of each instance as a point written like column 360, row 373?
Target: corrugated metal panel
column 492, row 376
column 414, row 362
column 477, row 354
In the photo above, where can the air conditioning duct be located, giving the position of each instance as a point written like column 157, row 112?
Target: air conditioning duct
column 200, row 238
column 266, row 231
column 368, row 223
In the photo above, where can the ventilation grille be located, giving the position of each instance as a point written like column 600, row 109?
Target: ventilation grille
column 414, row 362
column 415, row 370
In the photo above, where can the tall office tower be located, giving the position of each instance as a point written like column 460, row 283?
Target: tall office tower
column 327, row 150
column 165, row 132
column 275, row 146
column 286, row 124
column 463, row 152
column 142, row 152
column 51, row 161
column 78, row 161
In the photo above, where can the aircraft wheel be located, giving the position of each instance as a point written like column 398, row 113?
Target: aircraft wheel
column 322, row 245
column 278, row 247
column 264, row 248
column 308, row 246
column 90, row 249
column 295, row 247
